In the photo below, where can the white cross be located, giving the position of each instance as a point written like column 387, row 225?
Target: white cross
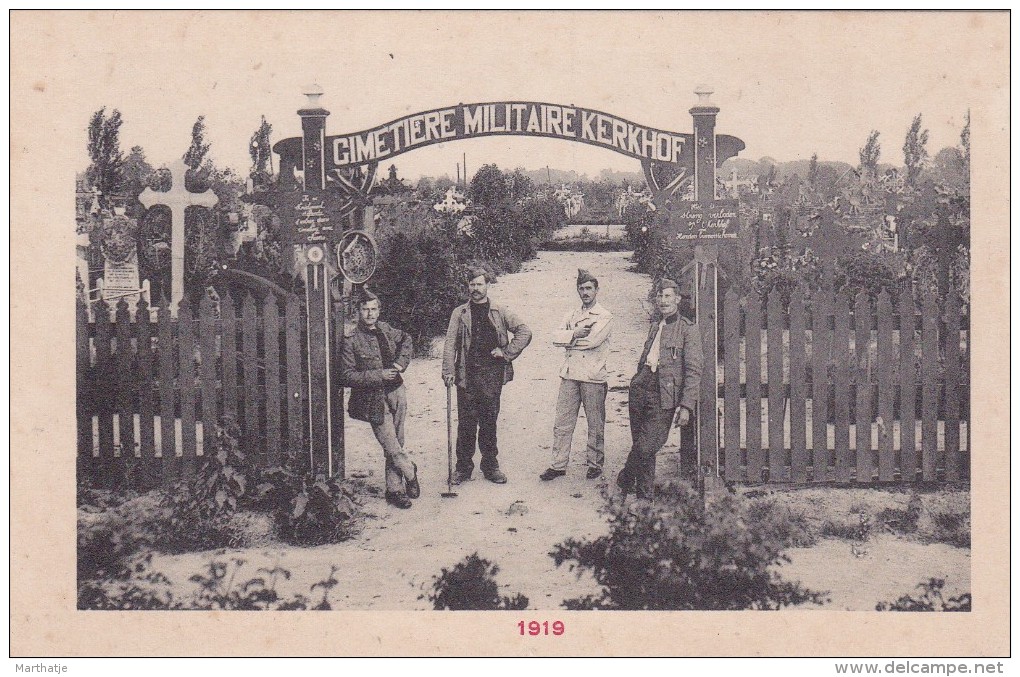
column 178, row 199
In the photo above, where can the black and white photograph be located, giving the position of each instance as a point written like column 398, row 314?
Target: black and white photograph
column 545, row 314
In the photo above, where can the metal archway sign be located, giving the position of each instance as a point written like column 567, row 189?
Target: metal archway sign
column 357, row 256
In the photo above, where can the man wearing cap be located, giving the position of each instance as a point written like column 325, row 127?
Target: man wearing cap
column 666, row 386
column 584, row 333
column 372, row 360
column 477, row 358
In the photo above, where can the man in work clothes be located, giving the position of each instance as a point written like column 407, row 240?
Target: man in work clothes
column 584, row 332
column 372, row 361
column 477, row 358
column 666, row 384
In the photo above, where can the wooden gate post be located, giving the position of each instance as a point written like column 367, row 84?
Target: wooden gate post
column 314, row 241
column 706, row 287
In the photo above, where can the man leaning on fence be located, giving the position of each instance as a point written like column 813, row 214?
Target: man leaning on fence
column 372, row 362
column 665, row 387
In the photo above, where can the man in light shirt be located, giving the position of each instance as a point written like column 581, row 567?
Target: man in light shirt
column 584, row 333
column 666, row 386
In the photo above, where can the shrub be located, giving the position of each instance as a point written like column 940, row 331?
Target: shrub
column 138, row 588
column 471, row 584
column 218, row 591
column 855, row 528
column 419, row 283
column 130, row 587
column 677, row 554
column 221, row 480
column 790, row 526
column 103, row 547
column 930, row 600
column 310, row 509
column 903, row 520
column 863, row 271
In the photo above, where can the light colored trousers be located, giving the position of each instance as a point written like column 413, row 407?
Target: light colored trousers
column 572, row 396
column 390, row 434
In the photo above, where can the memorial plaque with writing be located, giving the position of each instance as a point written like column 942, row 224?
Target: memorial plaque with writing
column 314, row 218
column 716, row 220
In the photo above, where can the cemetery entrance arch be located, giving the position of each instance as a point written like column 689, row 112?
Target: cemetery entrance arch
column 333, row 178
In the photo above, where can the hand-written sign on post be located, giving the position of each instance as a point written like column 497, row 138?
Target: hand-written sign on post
column 312, row 224
column 313, row 218
column 716, row 220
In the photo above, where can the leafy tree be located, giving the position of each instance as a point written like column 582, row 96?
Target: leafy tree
column 199, row 146
column 812, row 176
column 489, row 187
column 106, row 172
column 870, row 153
column 261, row 153
column 915, row 152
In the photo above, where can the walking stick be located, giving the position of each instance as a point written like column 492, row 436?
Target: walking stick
column 449, row 493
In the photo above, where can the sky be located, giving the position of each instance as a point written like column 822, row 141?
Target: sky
column 788, row 84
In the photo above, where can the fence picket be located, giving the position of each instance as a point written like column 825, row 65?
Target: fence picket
column 167, row 393
column 271, row 337
column 929, row 388
column 887, row 379
column 908, row 386
column 821, row 339
column 228, row 322
column 862, row 381
column 775, row 322
column 103, row 394
column 146, row 396
column 83, row 391
column 294, row 395
column 841, row 384
column 954, row 466
column 798, row 389
column 207, row 379
column 249, row 364
column 731, row 385
column 186, row 386
column 752, row 370
column 124, row 388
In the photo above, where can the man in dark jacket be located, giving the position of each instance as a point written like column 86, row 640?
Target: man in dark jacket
column 371, row 364
column 666, row 385
column 477, row 358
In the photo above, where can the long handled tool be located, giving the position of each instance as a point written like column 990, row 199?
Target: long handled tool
column 449, row 493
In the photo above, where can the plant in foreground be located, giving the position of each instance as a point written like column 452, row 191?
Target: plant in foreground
column 471, row 584
column 138, row 588
column 677, row 554
column 930, row 600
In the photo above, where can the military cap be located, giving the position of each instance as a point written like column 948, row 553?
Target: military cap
column 584, row 276
column 365, row 296
column 666, row 283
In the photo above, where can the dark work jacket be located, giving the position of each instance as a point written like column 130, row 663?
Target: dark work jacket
column 680, row 363
column 361, row 368
column 458, row 340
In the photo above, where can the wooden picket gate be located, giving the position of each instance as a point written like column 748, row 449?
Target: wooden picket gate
column 819, row 391
column 152, row 388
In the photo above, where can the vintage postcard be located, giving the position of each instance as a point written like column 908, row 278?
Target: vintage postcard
column 464, row 333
